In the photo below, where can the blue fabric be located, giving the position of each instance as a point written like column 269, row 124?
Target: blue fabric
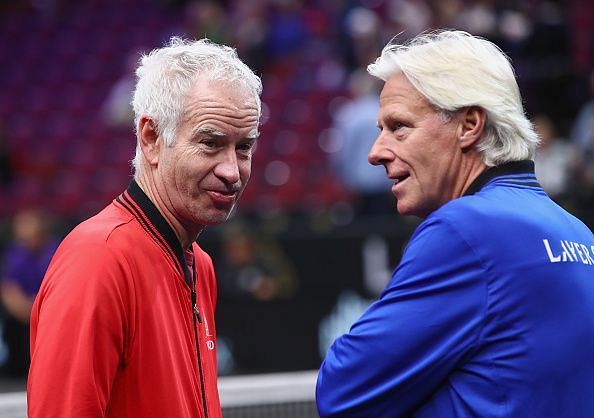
column 26, row 267
column 490, row 313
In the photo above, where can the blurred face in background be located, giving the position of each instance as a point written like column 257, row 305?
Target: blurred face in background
column 203, row 173
column 418, row 148
column 29, row 229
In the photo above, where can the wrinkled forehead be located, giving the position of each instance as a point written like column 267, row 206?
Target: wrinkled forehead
column 220, row 81
column 222, row 92
column 210, row 104
column 224, row 96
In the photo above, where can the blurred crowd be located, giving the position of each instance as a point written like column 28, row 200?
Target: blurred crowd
column 66, row 134
column 70, row 78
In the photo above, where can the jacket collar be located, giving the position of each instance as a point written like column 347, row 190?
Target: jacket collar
column 506, row 169
column 135, row 201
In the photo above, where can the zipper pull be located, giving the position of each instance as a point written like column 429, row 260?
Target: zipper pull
column 195, row 307
column 197, row 313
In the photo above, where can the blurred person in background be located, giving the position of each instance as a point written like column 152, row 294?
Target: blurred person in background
column 248, row 25
column 24, row 263
column 257, row 283
column 206, row 19
column 582, row 132
column 582, row 136
column 354, row 132
column 489, row 312
column 554, row 159
column 116, row 109
column 253, row 268
column 123, row 325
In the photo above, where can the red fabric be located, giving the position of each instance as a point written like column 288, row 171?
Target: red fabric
column 112, row 328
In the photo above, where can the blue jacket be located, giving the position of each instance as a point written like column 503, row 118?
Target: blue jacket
column 490, row 313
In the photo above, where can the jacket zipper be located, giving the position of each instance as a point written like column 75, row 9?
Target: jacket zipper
column 196, row 315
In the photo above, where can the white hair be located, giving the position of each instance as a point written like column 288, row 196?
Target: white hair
column 166, row 75
column 453, row 70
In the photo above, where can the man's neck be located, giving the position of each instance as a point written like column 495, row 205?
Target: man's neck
column 185, row 235
column 474, row 167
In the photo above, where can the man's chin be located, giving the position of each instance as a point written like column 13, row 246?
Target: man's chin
column 401, row 208
column 216, row 217
column 405, row 210
column 411, row 210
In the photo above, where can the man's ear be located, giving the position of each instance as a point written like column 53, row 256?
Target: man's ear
column 472, row 126
column 149, row 139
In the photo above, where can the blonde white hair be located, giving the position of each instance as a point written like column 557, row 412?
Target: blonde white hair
column 166, row 75
column 452, row 70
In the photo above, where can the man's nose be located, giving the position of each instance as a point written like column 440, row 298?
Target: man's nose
column 227, row 167
column 379, row 153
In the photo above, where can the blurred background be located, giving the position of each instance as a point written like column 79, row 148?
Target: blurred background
column 316, row 235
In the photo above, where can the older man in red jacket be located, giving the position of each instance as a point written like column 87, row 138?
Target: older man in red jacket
column 123, row 325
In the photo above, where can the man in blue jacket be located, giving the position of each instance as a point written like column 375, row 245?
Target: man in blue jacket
column 490, row 312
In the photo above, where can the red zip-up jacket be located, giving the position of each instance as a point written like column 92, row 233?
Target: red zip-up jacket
column 117, row 329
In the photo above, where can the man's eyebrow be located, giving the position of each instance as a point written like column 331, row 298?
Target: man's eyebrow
column 216, row 133
column 208, row 131
column 253, row 135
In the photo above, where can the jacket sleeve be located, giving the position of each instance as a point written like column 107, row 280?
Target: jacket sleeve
column 404, row 346
column 78, row 328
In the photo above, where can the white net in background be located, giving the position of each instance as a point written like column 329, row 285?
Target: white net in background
column 278, row 395
column 13, row 405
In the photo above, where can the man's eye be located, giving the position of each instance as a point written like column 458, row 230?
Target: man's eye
column 245, row 147
column 210, row 144
column 397, row 126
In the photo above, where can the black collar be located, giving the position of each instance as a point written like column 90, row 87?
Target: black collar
column 513, row 167
column 137, row 202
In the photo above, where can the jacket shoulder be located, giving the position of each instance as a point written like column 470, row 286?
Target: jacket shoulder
column 112, row 227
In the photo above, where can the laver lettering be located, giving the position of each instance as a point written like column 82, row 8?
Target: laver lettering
column 566, row 253
column 569, row 251
column 585, row 250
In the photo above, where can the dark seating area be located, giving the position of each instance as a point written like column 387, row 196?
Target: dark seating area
column 57, row 72
column 61, row 59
